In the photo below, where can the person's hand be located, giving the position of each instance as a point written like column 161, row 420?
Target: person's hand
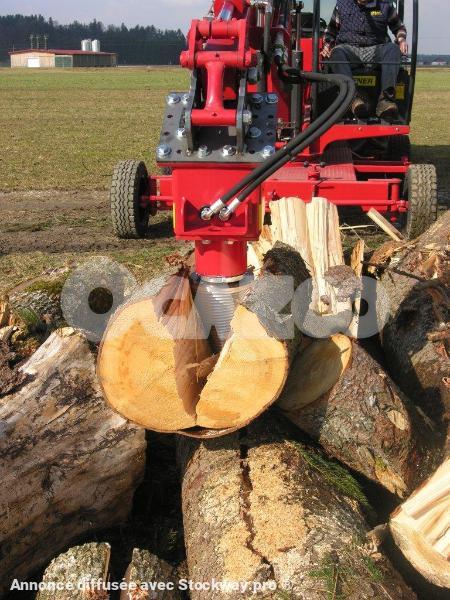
column 326, row 51
column 403, row 47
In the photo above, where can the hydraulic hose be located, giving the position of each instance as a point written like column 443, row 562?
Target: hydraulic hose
column 320, row 126
column 304, row 139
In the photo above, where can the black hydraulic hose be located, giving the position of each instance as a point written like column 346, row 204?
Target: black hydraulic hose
column 330, row 116
column 321, row 126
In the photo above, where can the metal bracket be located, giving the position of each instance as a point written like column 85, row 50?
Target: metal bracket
column 257, row 135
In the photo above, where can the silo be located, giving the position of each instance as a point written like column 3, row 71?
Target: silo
column 96, row 46
column 86, row 45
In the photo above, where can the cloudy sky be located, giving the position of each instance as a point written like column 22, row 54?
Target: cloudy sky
column 434, row 36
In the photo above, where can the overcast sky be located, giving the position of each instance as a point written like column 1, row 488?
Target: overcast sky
column 434, row 23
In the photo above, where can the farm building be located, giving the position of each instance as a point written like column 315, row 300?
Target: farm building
column 48, row 59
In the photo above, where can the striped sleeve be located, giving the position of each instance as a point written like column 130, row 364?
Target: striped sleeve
column 332, row 30
column 396, row 25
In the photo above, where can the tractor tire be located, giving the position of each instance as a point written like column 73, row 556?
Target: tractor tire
column 421, row 191
column 129, row 182
column 399, row 147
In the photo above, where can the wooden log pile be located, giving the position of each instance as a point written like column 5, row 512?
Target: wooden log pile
column 69, row 464
column 281, row 501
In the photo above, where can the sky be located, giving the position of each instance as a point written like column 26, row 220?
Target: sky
column 434, row 15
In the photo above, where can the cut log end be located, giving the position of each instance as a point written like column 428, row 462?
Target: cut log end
column 320, row 366
column 421, row 528
column 250, row 359
column 146, row 358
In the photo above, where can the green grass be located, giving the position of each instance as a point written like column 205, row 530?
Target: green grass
column 67, row 129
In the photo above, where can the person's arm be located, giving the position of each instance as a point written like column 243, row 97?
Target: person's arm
column 331, row 32
column 398, row 29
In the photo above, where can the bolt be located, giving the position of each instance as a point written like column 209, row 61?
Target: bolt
column 268, row 151
column 163, row 151
column 257, row 99
column 272, row 99
column 247, row 117
column 203, row 151
column 181, row 133
column 229, row 150
column 185, row 99
column 173, row 99
column 254, row 133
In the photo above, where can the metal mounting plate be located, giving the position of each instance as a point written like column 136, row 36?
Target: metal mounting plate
column 215, row 138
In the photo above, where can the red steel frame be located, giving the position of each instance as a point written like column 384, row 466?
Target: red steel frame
column 218, row 49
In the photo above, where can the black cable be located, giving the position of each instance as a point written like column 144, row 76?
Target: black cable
column 334, row 112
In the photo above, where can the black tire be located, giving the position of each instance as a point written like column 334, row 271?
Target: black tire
column 421, row 191
column 129, row 183
column 399, row 146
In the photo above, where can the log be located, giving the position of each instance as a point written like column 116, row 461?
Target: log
column 313, row 230
column 261, row 507
column 257, row 250
column 147, row 570
column 342, row 398
column 69, row 464
column 149, row 355
column 357, row 266
column 80, row 573
column 417, row 281
column 254, row 363
column 157, row 369
column 10, row 378
column 421, row 528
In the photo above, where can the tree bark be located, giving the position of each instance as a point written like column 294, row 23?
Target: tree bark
column 69, row 464
column 417, row 285
column 420, row 528
column 342, row 398
column 82, row 572
column 261, row 508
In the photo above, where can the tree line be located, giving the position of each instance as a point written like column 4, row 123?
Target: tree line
column 134, row 45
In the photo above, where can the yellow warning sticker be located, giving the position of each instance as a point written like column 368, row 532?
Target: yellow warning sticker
column 366, row 80
column 400, row 92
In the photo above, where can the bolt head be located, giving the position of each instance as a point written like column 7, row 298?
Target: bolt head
column 268, row 151
column 181, row 133
column 254, row 133
column 173, row 99
column 185, row 99
column 163, row 151
column 257, row 99
column 203, row 151
column 272, row 99
column 229, row 150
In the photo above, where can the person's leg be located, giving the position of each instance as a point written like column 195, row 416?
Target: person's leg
column 344, row 60
column 390, row 57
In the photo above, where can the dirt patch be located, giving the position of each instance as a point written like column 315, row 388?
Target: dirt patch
column 64, row 221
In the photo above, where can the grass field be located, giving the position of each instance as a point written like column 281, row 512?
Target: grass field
column 65, row 130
